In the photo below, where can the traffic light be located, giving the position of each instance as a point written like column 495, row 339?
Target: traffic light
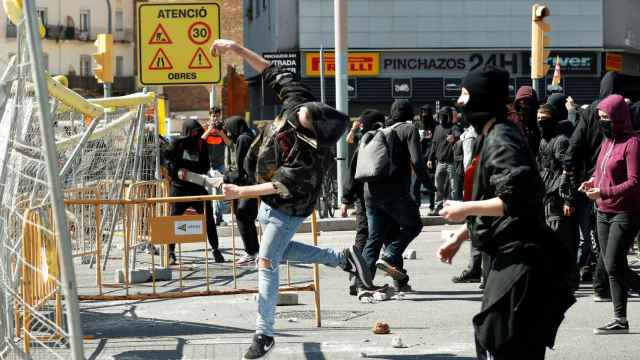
column 539, row 41
column 104, row 58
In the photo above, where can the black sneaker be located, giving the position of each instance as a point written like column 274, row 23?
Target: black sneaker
column 395, row 273
column 260, row 347
column 614, row 327
column 217, row 256
column 172, row 259
column 466, row 277
column 355, row 264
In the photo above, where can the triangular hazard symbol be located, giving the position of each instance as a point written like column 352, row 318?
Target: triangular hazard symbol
column 160, row 36
column 160, row 61
column 200, row 60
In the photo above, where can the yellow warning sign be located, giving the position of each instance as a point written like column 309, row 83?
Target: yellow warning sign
column 174, row 41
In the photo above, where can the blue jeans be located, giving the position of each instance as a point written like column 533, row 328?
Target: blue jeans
column 390, row 210
column 219, row 205
column 277, row 247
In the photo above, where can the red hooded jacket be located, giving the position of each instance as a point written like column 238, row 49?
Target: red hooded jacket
column 617, row 169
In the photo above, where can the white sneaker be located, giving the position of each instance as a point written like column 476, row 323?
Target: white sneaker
column 246, row 260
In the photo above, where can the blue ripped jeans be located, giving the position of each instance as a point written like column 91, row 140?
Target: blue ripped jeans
column 277, row 247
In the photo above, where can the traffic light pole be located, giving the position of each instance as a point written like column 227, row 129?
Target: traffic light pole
column 537, row 86
column 107, row 86
column 342, row 96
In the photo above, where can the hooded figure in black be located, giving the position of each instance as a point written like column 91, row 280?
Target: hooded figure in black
column 428, row 127
column 353, row 193
column 584, row 147
column 446, row 134
column 189, row 152
column 389, row 202
column 246, row 210
column 525, row 295
column 558, row 205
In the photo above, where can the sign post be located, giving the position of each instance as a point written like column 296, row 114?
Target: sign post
column 174, row 41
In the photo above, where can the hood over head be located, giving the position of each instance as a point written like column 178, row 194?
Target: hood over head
column 445, row 116
column 618, row 111
column 236, row 126
column 610, row 84
column 328, row 123
column 371, row 119
column 192, row 128
column 488, row 89
column 401, row 111
column 527, row 95
column 558, row 102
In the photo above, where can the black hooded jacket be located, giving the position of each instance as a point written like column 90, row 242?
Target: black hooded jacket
column 294, row 158
column 552, row 161
column 584, row 145
column 441, row 149
column 241, row 137
column 188, row 152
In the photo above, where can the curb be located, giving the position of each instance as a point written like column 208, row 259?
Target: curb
column 337, row 224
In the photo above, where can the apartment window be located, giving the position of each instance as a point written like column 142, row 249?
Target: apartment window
column 257, row 8
column 119, row 20
column 85, row 65
column 85, row 20
column 42, row 14
column 119, row 66
column 264, row 4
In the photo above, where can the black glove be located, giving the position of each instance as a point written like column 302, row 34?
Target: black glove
column 567, row 189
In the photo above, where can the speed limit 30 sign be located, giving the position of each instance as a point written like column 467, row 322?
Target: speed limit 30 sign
column 174, row 41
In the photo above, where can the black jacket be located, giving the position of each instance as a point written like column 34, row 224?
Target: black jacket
column 525, row 294
column 586, row 139
column 441, row 149
column 189, row 152
column 290, row 156
column 551, row 162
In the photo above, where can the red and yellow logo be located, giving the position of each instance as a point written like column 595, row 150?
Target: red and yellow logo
column 359, row 64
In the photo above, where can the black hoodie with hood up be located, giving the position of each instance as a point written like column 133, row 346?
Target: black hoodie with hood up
column 289, row 155
column 189, row 152
column 241, row 137
column 586, row 139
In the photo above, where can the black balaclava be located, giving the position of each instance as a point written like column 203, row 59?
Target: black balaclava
column 191, row 133
column 371, row 119
column 488, row 89
column 610, row 84
column 548, row 128
column 445, row 117
column 426, row 116
column 401, row 111
column 558, row 101
column 236, row 126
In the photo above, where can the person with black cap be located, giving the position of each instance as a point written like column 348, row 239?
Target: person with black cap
column 353, row 193
column 287, row 159
column 188, row 152
column 389, row 201
column 506, row 222
column 584, row 147
column 441, row 158
column 238, row 138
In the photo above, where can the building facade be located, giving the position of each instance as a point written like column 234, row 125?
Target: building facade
column 71, row 29
column 420, row 49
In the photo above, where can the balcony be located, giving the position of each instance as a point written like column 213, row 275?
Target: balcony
column 12, row 30
column 123, row 36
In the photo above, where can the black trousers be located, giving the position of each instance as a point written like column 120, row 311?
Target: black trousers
column 478, row 263
column 616, row 232
column 246, row 211
column 565, row 230
column 180, row 207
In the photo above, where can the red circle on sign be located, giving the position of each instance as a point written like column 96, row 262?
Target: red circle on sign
column 196, row 36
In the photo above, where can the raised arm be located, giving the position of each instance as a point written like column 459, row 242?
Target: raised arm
column 257, row 62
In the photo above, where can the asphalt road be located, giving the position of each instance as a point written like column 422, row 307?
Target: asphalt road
column 434, row 321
